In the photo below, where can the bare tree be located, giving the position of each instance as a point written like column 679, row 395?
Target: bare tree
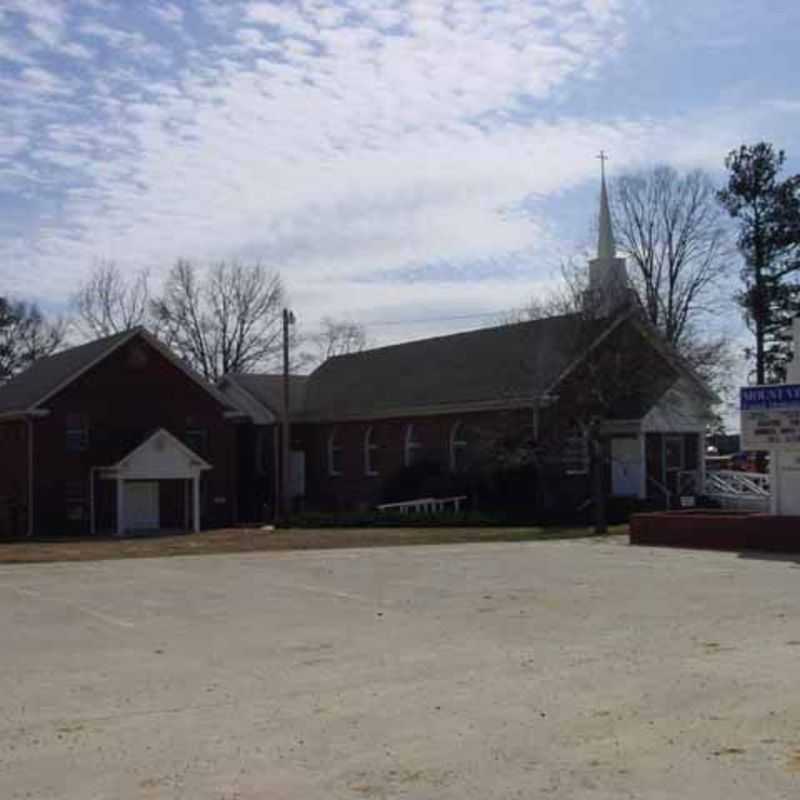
column 108, row 302
column 621, row 366
column 336, row 338
column 227, row 320
column 672, row 230
column 674, row 235
column 564, row 298
column 25, row 336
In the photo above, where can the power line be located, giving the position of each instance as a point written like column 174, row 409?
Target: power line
column 384, row 323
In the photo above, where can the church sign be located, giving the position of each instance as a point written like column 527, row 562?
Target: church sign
column 770, row 417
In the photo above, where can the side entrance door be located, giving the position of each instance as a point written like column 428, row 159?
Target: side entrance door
column 626, row 467
column 141, row 506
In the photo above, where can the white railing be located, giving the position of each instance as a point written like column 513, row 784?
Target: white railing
column 739, row 490
column 731, row 481
column 424, row 505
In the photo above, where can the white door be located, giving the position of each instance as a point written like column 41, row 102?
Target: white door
column 789, row 488
column 297, row 473
column 141, row 506
column 626, row 467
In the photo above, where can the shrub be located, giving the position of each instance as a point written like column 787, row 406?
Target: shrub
column 376, row 519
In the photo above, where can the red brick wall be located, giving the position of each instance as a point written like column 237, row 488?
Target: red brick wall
column 13, row 478
column 125, row 398
column 354, row 489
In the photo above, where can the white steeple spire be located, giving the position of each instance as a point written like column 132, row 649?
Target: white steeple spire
column 608, row 277
column 605, row 242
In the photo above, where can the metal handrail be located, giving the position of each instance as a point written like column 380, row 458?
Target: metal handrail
column 737, row 483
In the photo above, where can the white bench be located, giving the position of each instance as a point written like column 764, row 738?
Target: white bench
column 424, row 505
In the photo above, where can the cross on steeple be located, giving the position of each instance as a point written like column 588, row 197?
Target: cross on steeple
column 603, row 158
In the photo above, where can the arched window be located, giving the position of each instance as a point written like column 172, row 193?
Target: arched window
column 370, row 452
column 458, row 447
column 334, row 453
column 412, row 445
column 575, row 452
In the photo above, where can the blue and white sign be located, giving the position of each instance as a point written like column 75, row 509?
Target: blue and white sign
column 755, row 398
column 770, row 417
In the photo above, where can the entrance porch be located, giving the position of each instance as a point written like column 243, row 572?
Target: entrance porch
column 159, row 478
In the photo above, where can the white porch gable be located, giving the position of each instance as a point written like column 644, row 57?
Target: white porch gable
column 159, row 457
column 680, row 409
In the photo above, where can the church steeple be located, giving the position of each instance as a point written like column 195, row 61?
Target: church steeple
column 608, row 277
column 605, row 241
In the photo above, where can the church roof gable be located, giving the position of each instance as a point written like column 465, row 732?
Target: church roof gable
column 47, row 376
column 515, row 363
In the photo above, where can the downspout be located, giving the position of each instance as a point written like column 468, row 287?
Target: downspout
column 275, row 472
column 29, row 420
column 92, row 523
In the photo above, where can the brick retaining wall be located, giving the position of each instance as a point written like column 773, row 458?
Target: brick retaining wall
column 717, row 530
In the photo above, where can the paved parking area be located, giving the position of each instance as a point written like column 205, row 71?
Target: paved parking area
column 574, row 669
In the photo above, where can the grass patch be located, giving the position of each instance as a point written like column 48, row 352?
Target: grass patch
column 256, row 540
column 394, row 519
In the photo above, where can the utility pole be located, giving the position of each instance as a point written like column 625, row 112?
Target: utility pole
column 286, row 492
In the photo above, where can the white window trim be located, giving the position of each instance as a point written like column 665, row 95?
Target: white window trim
column 333, row 446
column 410, row 445
column 369, row 448
column 455, row 443
column 585, row 469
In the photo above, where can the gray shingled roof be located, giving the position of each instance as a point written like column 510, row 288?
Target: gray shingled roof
column 268, row 390
column 515, row 362
column 28, row 388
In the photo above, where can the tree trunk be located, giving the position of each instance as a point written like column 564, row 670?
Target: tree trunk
column 598, row 486
column 761, row 306
column 760, row 319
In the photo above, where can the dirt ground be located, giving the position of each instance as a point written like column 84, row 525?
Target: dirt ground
column 249, row 540
column 581, row 668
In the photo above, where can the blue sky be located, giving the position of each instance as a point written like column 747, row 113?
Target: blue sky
column 393, row 160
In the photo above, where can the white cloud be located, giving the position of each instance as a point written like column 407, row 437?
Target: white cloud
column 36, row 81
column 132, row 43
column 376, row 154
column 14, row 51
column 76, row 50
column 168, row 13
column 785, row 105
column 253, row 39
column 288, row 19
column 44, row 20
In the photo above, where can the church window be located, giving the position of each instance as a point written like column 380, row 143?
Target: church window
column 458, row 447
column 412, row 446
column 370, row 452
column 334, row 453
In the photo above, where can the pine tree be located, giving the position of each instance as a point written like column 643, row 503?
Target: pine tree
column 768, row 213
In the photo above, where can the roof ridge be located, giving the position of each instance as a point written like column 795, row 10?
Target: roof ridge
column 487, row 329
column 91, row 343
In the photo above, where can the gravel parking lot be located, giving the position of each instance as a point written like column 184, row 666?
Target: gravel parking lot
column 568, row 669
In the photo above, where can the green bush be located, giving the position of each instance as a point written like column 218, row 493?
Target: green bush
column 376, row 519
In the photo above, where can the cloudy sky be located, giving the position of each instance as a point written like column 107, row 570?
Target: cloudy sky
column 395, row 161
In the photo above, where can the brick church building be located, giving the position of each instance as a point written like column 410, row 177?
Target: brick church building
column 119, row 435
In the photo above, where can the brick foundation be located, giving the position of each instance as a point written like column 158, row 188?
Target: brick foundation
column 717, row 530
